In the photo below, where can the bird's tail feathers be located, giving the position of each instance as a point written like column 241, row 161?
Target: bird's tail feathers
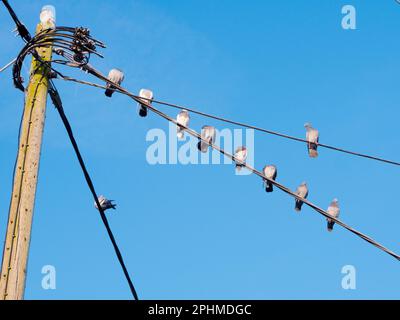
column 143, row 111
column 298, row 205
column 312, row 150
column 313, row 153
column 202, row 146
column 330, row 225
column 179, row 133
column 109, row 92
column 239, row 167
column 269, row 187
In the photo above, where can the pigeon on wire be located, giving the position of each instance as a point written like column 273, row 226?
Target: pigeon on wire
column 312, row 137
column 334, row 211
column 302, row 191
column 241, row 155
column 148, row 97
column 271, row 172
column 208, row 134
column 183, row 119
column 105, row 204
column 116, row 76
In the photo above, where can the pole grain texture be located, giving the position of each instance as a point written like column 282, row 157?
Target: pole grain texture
column 18, row 234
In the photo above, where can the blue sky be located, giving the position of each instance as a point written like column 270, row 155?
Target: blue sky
column 275, row 64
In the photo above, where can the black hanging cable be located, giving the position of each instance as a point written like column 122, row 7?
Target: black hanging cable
column 22, row 30
column 46, row 38
column 55, row 97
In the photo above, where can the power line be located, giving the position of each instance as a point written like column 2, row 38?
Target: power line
column 96, row 73
column 241, row 124
column 63, row 38
column 50, row 39
column 88, row 68
column 55, row 97
column 8, row 65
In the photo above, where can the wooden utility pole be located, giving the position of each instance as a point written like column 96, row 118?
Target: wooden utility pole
column 16, row 247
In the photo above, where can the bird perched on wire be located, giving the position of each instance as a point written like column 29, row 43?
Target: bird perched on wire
column 241, row 155
column 270, row 172
column 302, row 191
column 116, row 76
column 105, row 203
column 183, row 119
column 208, row 134
column 312, row 137
column 334, row 211
column 148, row 98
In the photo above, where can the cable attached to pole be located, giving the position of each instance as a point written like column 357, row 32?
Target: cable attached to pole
column 21, row 29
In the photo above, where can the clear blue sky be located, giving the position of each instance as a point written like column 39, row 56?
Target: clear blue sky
column 297, row 64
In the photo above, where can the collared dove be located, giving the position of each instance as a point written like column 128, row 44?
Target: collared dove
column 208, row 135
column 271, row 172
column 148, row 98
column 105, row 203
column 116, row 76
column 302, row 191
column 183, row 119
column 241, row 155
column 334, row 211
column 312, row 137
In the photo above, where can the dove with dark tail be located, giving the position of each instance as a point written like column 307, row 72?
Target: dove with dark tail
column 105, row 203
column 270, row 172
column 312, row 137
column 182, row 120
column 208, row 135
column 116, row 76
column 302, row 191
column 241, row 155
column 334, row 211
column 148, row 98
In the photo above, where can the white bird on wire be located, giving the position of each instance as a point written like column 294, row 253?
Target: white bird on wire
column 116, row 76
column 148, row 98
column 241, row 155
column 182, row 119
column 270, row 172
column 334, row 211
column 105, row 204
column 302, row 191
column 312, row 137
column 208, row 134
